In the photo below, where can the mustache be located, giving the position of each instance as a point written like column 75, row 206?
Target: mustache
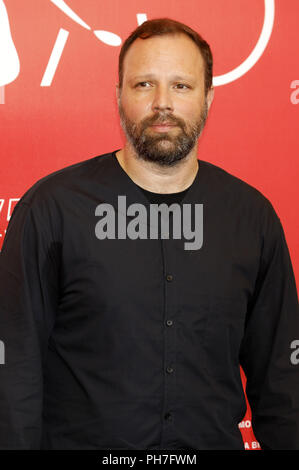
column 161, row 120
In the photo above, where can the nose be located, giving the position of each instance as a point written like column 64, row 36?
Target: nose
column 162, row 99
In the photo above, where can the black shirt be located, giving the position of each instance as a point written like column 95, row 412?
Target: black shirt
column 137, row 343
column 168, row 198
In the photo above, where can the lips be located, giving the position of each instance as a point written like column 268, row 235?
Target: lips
column 165, row 126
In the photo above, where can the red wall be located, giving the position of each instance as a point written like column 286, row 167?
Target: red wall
column 252, row 130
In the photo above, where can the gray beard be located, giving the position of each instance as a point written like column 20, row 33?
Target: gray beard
column 162, row 148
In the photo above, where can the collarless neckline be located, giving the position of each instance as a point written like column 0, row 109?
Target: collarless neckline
column 189, row 192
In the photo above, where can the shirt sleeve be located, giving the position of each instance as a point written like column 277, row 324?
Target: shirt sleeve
column 272, row 324
column 28, row 299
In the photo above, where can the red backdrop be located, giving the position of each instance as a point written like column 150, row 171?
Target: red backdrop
column 58, row 70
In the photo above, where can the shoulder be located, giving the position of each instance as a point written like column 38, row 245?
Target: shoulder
column 53, row 185
column 226, row 180
column 237, row 193
column 243, row 204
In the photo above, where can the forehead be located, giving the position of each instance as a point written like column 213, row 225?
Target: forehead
column 172, row 53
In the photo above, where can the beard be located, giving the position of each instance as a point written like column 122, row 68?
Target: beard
column 163, row 148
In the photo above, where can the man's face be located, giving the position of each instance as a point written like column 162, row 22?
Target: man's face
column 163, row 82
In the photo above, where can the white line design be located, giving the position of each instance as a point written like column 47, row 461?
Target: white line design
column 69, row 12
column 107, row 37
column 141, row 18
column 54, row 57
column 9, row 59
column 257, row 51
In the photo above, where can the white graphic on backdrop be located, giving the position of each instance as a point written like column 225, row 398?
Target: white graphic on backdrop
column 107, row 37
column 9, row 60
column 257, row 51
column 70, row 13
column 11, row 205
column 10, row 65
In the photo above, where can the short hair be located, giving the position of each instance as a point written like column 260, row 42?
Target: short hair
column 159, row 27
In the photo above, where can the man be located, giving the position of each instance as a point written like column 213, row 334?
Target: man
column 122, row 334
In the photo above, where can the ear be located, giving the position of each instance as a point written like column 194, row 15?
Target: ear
column 210, row 96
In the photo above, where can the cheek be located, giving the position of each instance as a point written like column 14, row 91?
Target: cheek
column 185, row 112
column 189, row 111
column 136, row 109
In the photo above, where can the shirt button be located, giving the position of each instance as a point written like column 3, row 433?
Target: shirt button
column 169, row 322
column 169, row 369
column 169, row 277
column 168, row 416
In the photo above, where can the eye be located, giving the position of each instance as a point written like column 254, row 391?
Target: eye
column 141, row 83
column 182, row 85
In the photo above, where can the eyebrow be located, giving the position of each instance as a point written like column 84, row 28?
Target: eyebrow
column 151, row 76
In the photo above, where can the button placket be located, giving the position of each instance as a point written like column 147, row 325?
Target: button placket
column 170, row 310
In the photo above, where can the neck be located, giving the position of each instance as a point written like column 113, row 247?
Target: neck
column 157, row 178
